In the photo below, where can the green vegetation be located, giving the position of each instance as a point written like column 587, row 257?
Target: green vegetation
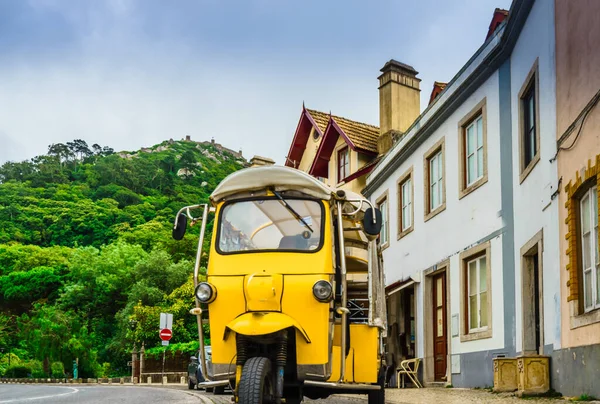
column 86, row 247
column 584, row 397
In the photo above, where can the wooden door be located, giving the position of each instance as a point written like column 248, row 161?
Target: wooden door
column 440, row 347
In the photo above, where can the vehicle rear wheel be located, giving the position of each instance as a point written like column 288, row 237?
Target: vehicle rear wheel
column 219, row 390
column 191, row 385
column 378, row 396
column 255, row 384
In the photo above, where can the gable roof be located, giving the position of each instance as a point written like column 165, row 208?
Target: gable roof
column 363, row 136
column 309, row 118
column 320, row 118
column 360, row 137
column 438, row 87
column 499, row 15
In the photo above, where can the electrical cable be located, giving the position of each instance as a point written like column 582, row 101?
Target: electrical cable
column 583, row 115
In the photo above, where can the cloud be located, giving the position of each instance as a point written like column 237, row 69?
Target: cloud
column 130, row 73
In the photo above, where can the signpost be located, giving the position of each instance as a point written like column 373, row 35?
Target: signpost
column 165, row 333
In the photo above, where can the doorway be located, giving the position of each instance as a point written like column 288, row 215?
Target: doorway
column 440, row 329
column 532, row 296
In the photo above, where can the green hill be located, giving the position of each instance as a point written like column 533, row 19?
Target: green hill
column 85, row 247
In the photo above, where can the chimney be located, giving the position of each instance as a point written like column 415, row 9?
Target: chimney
column 399, row 102
column 257, row 161
column 188, row 138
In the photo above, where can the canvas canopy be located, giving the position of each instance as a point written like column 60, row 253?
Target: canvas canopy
column 278, row 177
column 281, row 179
column 255, row 181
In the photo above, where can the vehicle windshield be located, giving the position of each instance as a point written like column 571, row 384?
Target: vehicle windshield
column 270, row 224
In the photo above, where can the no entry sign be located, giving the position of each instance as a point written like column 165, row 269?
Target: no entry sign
column 165, row 334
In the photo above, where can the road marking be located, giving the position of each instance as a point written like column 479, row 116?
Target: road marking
column 16, row 400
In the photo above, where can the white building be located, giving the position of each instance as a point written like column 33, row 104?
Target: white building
column 468, row 195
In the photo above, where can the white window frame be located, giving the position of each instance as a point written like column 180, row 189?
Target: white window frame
column 406, row 213
column 383, row 204
column 476, row 150
column 594, row 259
column 384, row 225
column 478, row 294
column 436, row 183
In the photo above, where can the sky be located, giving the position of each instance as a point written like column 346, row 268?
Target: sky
column 132, row 73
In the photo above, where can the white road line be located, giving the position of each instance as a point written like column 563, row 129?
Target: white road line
column 16, row 400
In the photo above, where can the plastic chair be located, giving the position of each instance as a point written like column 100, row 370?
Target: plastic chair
column 405, row 369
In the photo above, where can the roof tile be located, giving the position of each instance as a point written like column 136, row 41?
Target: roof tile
column 364, row 136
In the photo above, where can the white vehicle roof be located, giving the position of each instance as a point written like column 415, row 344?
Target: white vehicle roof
column 245, row 182
column 280, row 178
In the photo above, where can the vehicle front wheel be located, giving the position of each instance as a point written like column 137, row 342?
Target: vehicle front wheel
column 191, row 385
column 255, row 383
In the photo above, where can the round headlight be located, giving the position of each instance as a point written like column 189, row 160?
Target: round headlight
column 205, row 292
column 323, row 291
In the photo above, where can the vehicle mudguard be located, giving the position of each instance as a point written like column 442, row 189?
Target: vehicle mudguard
column 262, row 323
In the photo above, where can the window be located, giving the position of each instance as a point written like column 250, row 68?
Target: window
column 475, row 289
column 529, row 141
column 590, row 256
column 529, row 123
column 435, row 200
column 266, row 224
column 473, row 150
column 405, row 204
column 382, row 205
column 435, row 181
column 343, row 161
column 477, row 293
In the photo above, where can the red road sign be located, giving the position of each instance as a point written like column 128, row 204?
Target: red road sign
column 165, row 334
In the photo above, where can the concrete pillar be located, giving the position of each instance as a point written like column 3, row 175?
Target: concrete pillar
column 182, row 380
column 149, row 380
column 134, row 354
column 142, row 354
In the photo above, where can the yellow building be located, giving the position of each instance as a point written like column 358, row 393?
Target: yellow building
column 341, row 152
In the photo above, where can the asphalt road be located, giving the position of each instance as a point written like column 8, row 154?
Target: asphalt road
column 103, row 394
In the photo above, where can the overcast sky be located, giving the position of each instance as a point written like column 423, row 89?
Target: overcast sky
column 131, row 73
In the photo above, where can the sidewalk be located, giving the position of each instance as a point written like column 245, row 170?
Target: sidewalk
column 462, row 396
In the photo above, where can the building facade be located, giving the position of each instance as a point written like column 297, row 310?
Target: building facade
column 336, row 150
column 469, row 192
column 578, row 157
column 490, row 202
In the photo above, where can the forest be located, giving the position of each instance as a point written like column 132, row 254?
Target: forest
column 87, row 261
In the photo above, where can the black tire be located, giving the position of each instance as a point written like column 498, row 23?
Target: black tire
column 191, row 385
column 255, row 383
column 219, row 390
column 209, row 389
column 378, row 396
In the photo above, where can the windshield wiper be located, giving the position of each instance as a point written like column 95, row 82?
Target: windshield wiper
column 292, row 211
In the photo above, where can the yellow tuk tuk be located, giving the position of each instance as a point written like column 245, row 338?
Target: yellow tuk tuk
column 294, row 290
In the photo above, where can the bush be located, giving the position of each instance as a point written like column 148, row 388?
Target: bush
column 58, row 370
column 18, row 371
column 37, row 368
column 105, row 370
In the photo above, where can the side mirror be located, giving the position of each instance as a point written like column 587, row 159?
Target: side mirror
column 371, row 228
column 179, row 230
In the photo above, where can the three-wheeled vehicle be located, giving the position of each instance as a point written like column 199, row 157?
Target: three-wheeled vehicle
column 294, row 288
